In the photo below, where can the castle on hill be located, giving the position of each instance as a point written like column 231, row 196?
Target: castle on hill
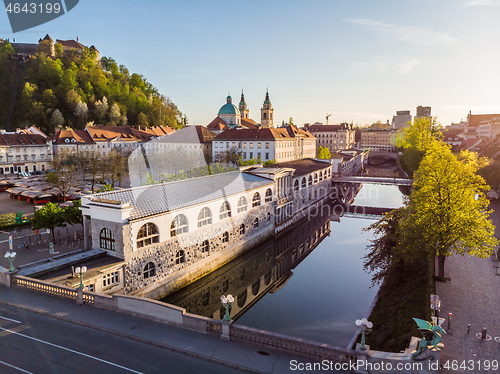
column 26, row 50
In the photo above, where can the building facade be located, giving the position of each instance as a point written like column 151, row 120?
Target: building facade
column 282, row 144
column 378, row 140
column 401, row 119
column 171, row 233
column 334, row 137
column 24, row 152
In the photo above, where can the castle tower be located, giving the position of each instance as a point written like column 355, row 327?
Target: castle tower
column 243, row 106
column 266, row 113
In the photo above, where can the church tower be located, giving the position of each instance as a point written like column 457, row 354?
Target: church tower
column 266, row 113
column 243, row 106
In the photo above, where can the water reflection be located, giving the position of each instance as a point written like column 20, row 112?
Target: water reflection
column 318, row 300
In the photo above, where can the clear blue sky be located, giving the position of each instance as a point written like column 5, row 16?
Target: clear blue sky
column 360, row 60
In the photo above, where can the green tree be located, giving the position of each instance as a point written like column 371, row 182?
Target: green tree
column 449, row 209
column 72, row 214
column 324, row 153
column 49, row 217
column 416, row 140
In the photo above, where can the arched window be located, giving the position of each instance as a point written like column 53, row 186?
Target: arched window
column 149, row 270
column 179, row 225
column 180, row 257
column 315, row 178
column 256, row 222
column 304, row 183
column 296, row 185
column 269, row 196
column 107, row 240
column 329, row 173
column 148, row 234
column 242, row 298
column 256, row 287
column 205, row 246
column 205, row 217
column 225, row 210
column 320, row 176
column 265, row 115
column 268, row 216
column 242, row 229
column 256, row 200
column 310, row 180
column 225, row 237
column 242, row 204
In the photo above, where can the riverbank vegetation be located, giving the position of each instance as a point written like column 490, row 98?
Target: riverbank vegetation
column 446, row 214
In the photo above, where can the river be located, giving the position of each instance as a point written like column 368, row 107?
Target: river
column 308, row 282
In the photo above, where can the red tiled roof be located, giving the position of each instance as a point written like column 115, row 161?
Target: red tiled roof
column 249, row 123
column 475, row 119
column 190, row 134
column 21, row 139
column 217, row 124
column 80, row 136
column 271, row 133
column 71, row 44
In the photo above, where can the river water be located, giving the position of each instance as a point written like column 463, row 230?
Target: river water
column 308, row 282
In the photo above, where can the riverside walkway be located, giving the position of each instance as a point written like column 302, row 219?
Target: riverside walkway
column 473, row 298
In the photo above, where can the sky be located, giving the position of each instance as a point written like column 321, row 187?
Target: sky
column 358, row 60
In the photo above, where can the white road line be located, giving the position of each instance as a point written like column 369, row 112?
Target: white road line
column 15, row 367
column 8, row 319
column 71, row 350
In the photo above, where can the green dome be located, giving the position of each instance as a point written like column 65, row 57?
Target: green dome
column 229, row 108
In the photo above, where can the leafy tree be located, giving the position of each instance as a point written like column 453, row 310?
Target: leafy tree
column 57, row 119
column 324, row 153
column 417, row 139
column 72, row 214
column 62, row 178
column 49, row 216
column 449, row 209
column 107, row 187
column 270, row 162
column 142, row 120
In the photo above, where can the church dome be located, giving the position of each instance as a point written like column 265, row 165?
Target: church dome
column 229, row 108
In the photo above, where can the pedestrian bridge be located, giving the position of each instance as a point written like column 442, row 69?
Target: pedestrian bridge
column 376, row 180
column 358, row 211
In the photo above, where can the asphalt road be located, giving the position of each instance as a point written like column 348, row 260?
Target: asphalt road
column 32, row 343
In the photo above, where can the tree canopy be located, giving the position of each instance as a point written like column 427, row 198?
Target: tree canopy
column 74, row 88
column 324, row 153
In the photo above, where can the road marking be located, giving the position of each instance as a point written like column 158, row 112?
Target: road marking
column 15, row 367
column 71, row 350
column 8, row 319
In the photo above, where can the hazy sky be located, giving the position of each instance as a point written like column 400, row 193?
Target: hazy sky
column 361, row 60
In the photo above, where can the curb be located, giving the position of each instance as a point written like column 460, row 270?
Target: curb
column 136, row 338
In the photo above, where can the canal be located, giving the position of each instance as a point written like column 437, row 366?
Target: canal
column 308, row 282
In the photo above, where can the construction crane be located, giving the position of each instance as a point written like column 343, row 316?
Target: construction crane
column 327, row 115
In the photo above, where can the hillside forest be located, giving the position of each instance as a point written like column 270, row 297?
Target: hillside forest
column 75, row 88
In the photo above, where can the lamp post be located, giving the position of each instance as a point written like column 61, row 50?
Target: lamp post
column 227, row 301
column 81, row 272
column 10, row 256
column 364, row 325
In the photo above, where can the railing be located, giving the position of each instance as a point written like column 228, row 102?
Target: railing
column 46, row 288
column 214, row 327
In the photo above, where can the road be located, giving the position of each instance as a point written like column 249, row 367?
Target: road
column 32, row 343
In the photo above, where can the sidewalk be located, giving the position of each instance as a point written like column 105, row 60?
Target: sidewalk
column 237, row 355
column 473, row 297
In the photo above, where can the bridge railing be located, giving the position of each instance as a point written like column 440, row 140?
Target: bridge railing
column 47, row 288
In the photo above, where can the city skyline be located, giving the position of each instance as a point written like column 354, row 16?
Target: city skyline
column 358, row 61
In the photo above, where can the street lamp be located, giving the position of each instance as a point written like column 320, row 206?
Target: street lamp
column 10, row 256
column 364, row 325
column 227, row 302
column 81, row 272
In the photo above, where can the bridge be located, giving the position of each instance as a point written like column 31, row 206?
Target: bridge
column 376, row 180
column 359, row 211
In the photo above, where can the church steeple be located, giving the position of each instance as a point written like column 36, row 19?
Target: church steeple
column 266, row 113
column 243, row 106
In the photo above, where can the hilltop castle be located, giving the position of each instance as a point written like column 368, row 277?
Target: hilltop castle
column 26, row 50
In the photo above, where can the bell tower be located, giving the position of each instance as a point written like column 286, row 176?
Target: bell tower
column 266, row 113
column 243, row 106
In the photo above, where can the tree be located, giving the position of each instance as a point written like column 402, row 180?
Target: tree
column 142, row 120
column 115, row 164
column 101, row 109
column 449, row 209
column 49, row 216
column 324, row 153
column 416, row 139
column 114, row 115
column 94, row 166
column 62, row 178
column 72, row 214
column 57, row 119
